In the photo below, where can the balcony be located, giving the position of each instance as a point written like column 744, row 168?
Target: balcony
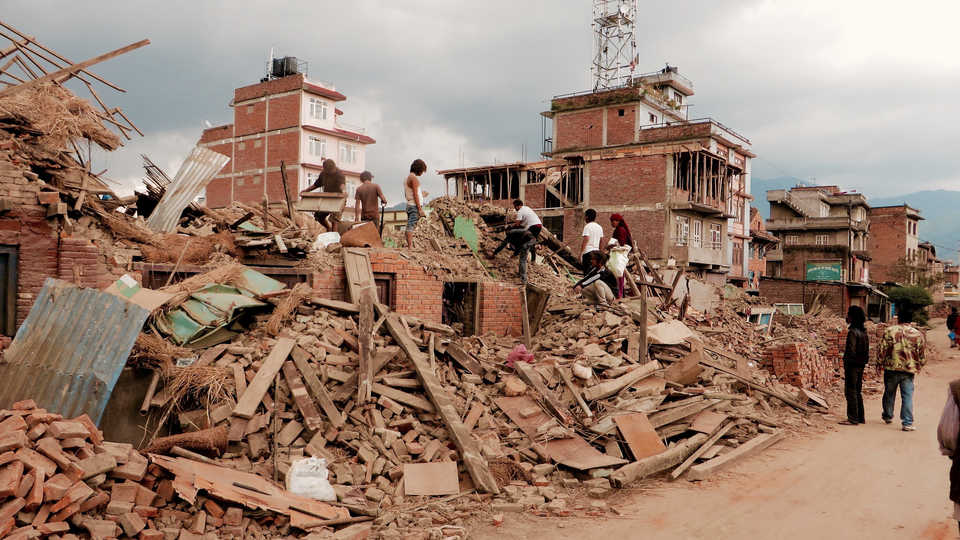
column 711, row 253
column 819, row 223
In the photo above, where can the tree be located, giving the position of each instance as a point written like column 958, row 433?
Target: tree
column 911, row 300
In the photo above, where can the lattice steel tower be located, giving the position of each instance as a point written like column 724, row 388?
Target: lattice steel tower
column 615, row 42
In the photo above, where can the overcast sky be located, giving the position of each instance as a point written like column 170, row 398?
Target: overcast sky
column 861, row 94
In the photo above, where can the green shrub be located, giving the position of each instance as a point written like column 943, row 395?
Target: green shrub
column 912, row 300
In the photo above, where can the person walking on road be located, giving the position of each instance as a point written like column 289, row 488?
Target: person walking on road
column 856, row 354
column 948, row 435
column 951, row 324
column 414, row 197
column 900, row 354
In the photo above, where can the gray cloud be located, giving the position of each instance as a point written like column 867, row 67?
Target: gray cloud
column 836, row 92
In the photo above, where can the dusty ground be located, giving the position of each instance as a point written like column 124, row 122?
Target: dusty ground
column 871, row 481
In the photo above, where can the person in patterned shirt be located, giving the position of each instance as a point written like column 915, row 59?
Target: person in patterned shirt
column 900, row 354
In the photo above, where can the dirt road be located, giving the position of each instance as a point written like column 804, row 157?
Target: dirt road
column 871, row 481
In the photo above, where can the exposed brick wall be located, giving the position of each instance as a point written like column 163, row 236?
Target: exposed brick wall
column 275, row 186
column 284, row 112
column 414, row 291
column 216, row 133
column 579, row 130
column 500, row 309
column 620, row 129
column 250, row 118
column 534, row 195
column 834, row 296
column 283, row 146
column 887, row 241
column 674, row 133
column 249, row 155
column 795, row 259
column 276, row 86
column 595, row 99
column 798, row 364
column 80, row 257
column 629, row 180
column 218, row 192
column 331, row 284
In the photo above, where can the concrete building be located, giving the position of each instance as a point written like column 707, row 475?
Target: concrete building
column 760, row 243
column 894, row 244
column 631, row 150
column 285, row 117
column 823, row 234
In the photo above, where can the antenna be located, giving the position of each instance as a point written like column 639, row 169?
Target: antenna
column 615, row 42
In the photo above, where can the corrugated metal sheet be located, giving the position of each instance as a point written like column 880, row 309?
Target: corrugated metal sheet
column 197, row 170
column 69, row 352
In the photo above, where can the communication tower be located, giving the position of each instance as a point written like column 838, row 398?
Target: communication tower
column 615, row 42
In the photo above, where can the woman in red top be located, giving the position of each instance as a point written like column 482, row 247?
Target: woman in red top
column 621, row 233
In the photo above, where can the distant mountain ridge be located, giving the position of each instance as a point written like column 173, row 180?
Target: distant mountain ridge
column 939, row 208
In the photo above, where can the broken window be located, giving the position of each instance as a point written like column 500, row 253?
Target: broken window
column 460, row 306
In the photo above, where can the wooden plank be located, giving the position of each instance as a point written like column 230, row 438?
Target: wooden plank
column 707, row 421
column 573, row 390
column 337, row 305
column 311, row 416
column 465, row 359
column 402, row 397
column 316, row 388
column 640, row 435
column 753, row 446
column 611, row 387
column 365, row 339
column 68, row 71
column 469, row 449
column 439, row 478
column 356, row 264
column 531, row 377
column 670, row 416
column 525, row 315
column 716, row 436
column 759, row 388
column 382, row 358
column 654, row 464
column 247, row 404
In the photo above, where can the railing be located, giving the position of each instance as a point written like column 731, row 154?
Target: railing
column 704, row 120
column 349, row 127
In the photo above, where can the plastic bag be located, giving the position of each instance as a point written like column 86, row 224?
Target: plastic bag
column 953, row 336
column 519, row 354
column 308, row 477
column 325, row 239
column 618, row 260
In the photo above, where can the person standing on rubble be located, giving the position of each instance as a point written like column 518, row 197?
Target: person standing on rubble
column 621, row 234
column 856, row 354
column 595, row 290
column 332, row 181
column 900, row 354
column 528, row 220
column 948, row 435
column 367, row 198
column 414, row 197
column 592, row 235
column 520, row 241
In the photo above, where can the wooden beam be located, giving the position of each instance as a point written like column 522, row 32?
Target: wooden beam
column 319, row 391
column 532, row 377
column 58, row 75
column 469, row 449
column 720, row 432
column 759, row 388
column 286, row 192
column 573, row 390
column 654, row 464
column 311, row 416
column 753, row 446
column 465, row 359
column 250, row 400
column 365, row 339
column 611, row 387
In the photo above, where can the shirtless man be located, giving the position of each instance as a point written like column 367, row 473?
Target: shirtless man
column 332, row 181
column 414, row 197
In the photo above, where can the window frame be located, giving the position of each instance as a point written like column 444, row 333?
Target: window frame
column 319, row 110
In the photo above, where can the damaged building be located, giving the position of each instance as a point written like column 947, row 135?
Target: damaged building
column 632, row 150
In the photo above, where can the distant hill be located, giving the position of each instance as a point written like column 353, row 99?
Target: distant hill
column 939, row 208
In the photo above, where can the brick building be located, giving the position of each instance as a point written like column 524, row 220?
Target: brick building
column 894, row 244
column 288, row 118
column 823, row 234
column 760, row 243
column 682, row 185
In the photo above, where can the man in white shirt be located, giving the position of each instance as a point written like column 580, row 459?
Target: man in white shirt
column 529, row 220
column 523, row 234
column 592, row 236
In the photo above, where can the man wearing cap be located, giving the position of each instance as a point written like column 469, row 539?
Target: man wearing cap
column 367, row 195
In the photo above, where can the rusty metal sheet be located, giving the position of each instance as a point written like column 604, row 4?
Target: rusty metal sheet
column 196, row 172
column 70, row 350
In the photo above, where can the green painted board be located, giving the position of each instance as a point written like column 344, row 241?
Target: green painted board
column 464, row 229
column 824, row 271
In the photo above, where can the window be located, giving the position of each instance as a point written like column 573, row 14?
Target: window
column 249, row 109
column 349, row 153
column 653, row 118
column 318, row 146
column 697, row 233
column 792, row 239
column 318, row 109
column 716, row 236
column 822, row 239
column 738, row 254
column 620, row 112
column 824, row 209
column 682, row 230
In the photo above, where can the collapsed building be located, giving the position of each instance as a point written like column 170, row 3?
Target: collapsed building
column 632, row 150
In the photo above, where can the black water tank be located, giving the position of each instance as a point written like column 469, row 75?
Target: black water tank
column 283, row 67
